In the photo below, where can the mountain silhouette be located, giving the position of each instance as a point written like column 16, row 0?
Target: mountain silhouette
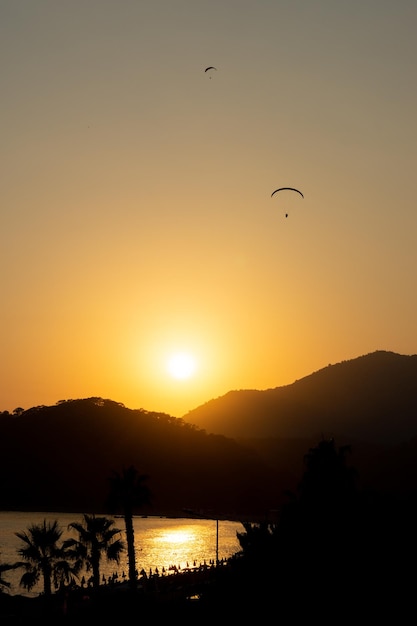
column 235, row 456
column 59, row 458
column 372, row 398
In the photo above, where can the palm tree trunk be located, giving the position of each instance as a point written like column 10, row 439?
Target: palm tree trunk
column 47, row 585
column 131, row 554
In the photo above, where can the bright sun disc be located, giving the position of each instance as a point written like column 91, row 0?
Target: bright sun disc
column 181, row 365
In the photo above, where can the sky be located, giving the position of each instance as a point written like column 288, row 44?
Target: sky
column 136, row 213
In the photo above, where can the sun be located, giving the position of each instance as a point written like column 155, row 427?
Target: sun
column 181, row 365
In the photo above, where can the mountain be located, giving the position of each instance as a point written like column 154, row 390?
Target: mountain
column 234, row 457
column 59, row 458
column 372, row 398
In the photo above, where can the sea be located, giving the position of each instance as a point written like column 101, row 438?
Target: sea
column 164, row 545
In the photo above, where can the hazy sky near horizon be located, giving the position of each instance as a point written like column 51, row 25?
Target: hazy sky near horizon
column 136, row 211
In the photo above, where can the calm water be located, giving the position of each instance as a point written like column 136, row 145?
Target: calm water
column 160, row 542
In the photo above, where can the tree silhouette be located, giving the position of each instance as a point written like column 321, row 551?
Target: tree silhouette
column 44, row 558
column 308, row 551
column 96, row 537
column 6, row 567
column 127, row 492
column 327, row 480
column 258, row 542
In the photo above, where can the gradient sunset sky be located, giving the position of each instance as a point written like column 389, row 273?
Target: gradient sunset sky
column 136, row 211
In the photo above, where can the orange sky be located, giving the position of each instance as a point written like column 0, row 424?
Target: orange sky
column 137, row 217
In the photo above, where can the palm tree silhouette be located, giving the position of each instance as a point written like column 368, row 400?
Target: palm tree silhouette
column 96, row 537
column 44, row 557
column 127, row 492
column 6, row 567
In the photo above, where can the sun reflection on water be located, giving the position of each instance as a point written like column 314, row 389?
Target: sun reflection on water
column 161, row 543
column 176, row 536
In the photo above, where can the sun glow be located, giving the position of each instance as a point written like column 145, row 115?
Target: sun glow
column 181, row 365
column 176, row 536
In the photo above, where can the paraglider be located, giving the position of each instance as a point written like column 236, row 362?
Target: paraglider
column 287, row 189
column 211, row 67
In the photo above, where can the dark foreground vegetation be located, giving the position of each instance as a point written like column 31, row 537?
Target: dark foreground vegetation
column 332, row 553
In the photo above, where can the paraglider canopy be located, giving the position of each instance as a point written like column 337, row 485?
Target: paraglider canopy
column 209, row 69
column 287, row 189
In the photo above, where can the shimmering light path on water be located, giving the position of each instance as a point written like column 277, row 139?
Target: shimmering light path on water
column 161, row 542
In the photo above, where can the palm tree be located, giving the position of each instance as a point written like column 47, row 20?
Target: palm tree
column 128, row 491
column 44, row 558
column 96, row 537
column 6, row 567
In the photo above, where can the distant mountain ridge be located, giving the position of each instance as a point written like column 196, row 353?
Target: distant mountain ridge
column 60, row 457
column 234, row 456
column 371, row 398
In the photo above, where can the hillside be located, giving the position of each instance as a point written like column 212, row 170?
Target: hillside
column 372, row 398
column 233, row 457
column 59, row 458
